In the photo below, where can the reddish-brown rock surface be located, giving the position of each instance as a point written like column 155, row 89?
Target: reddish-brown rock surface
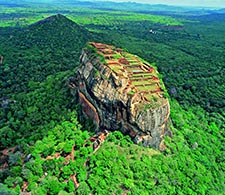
column 120, row 91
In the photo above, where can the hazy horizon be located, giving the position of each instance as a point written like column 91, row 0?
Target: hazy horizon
column 194, row 3
column 199, row 3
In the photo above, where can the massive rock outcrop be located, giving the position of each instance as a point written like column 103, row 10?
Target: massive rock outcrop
column 120, row 91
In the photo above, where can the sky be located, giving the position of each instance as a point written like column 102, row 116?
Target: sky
column 201, row 3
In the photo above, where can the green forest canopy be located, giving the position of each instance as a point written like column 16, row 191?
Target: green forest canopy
column 38, row 109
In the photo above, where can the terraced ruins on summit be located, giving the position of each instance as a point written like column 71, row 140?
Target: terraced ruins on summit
column 120, row 91
column 142, row 78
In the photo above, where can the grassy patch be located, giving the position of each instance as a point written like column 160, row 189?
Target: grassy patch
column 117, row 56
column 141, row 82
column 147, row 88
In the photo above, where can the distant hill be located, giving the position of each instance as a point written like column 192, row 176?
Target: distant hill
column 55, row 44
column 57, row 31
column 221, row 10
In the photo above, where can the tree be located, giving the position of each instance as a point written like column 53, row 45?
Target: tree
column 5, row 191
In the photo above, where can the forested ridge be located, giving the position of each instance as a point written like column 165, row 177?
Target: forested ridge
column 53, row 152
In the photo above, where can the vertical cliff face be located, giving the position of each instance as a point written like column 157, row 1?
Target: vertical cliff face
column 120, row 91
